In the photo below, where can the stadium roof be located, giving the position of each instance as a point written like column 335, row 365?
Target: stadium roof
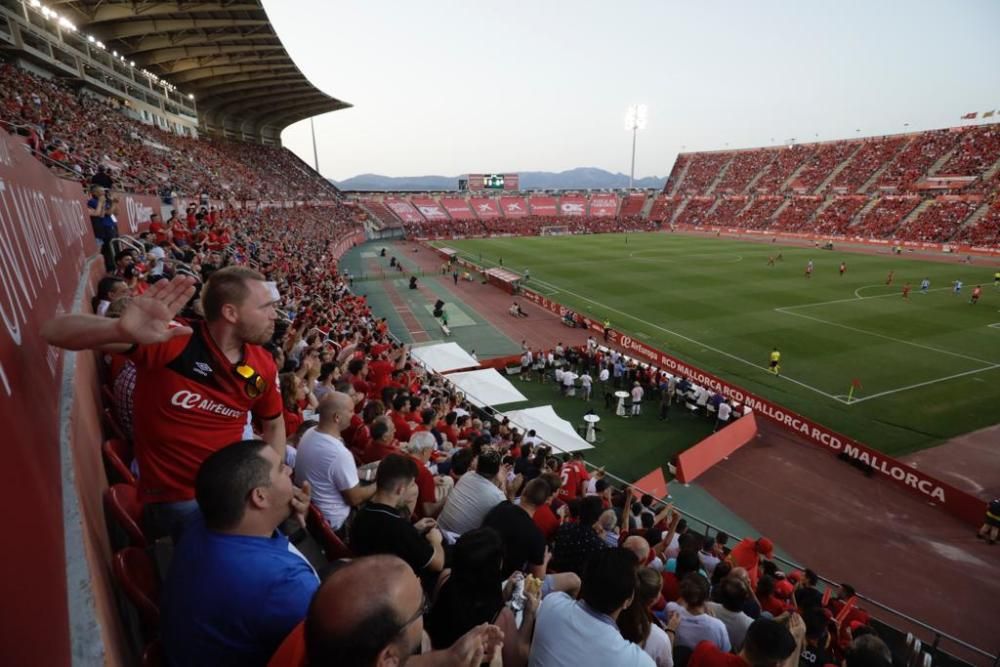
column 225, row 54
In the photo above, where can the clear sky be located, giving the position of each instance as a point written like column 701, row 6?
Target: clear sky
column 448, row 87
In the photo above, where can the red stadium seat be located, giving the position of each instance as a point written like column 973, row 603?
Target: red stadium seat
column 136, row 574
column 116, row 454
column 333, row 546
column 121, row 501
column 114, row 427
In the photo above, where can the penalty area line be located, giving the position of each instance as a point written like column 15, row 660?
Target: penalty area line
column 924, row 384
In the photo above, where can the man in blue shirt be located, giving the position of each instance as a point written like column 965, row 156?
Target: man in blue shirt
column 236, row 586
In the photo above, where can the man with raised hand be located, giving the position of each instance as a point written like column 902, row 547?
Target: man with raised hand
column 195, row 379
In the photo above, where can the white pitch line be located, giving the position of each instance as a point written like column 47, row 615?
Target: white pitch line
column 837, row 398
column 785, row 311
column 924, row 384
column 696, row 342
column 854, row 298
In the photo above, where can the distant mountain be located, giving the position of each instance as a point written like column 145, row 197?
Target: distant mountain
column 582, row 178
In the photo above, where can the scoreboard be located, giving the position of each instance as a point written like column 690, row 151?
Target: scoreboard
column 494, row 182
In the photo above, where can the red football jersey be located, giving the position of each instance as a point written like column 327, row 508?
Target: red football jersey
column 571, row 481
column 188, row 403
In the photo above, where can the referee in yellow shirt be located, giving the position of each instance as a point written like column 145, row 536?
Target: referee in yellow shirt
column 775, row 364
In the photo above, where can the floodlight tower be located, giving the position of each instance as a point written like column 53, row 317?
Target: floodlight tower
column 635, row 120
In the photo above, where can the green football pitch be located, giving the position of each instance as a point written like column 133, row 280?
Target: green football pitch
column 928, row 367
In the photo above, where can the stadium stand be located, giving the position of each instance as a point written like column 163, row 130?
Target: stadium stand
column 746, row 165
column 633, row 204
column 339, row 362
column 837, row 215
column 796, row 213
column 940, row 221
column 884, row 217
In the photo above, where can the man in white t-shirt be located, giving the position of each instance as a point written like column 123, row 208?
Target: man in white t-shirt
column 328, row 465
column 725, row 412
column 475, row 494
column 569, row 383
column 586, row 385
column 637, row 394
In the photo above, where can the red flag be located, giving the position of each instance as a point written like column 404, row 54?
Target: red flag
column 970, row 116
column 856, row 383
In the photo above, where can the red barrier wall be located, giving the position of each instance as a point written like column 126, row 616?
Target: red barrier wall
column 963, row 505
column 693, row 461
column 45, row 240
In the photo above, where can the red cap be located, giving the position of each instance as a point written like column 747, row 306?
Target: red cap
column 796, row 575
column 766, row 547
column 784, row 589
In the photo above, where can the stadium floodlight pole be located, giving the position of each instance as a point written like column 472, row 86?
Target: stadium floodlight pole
column 312, row 128
column 635, row 120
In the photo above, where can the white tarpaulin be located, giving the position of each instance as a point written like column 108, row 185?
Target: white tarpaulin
column 550, row 427
column 485, row 387
column 443, row 357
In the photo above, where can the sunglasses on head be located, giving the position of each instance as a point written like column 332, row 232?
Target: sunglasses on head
column 255, row 384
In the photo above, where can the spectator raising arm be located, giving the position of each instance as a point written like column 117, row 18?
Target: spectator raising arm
column 146, row 320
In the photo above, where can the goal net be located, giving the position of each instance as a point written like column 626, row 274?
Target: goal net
column 555, row 230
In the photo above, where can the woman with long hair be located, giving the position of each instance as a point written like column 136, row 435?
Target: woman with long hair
column 473, row 592
column 637, row 623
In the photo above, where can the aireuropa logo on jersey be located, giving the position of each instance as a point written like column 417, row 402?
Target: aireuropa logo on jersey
column 191, row 400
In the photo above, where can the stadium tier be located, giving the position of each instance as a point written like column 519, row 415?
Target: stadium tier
column 245, row 459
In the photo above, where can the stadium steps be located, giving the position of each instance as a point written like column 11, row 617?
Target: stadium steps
column 991, row 172
column 752, row 183
column 785, row 204
column 678, row 211
column 718, row 179
column 681, row 177
column 827, row 201
column 885, row 165
column 914, row 214
column 647, row 207
column 864, row 211
column 836, row 170
column 941, row 161
column 973, row 219
column 796, row 172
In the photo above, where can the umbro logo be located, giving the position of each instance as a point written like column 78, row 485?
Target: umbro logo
column 203, row 369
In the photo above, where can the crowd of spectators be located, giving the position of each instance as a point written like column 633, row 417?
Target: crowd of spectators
column 822, row 163
column 781, row 168
column 471, row 541
column 743, row 169
column 78, row 132
column 986, row 231
column 704, row 169
column 695, row 212
column 872, row 156
column 796, row 213
column 757, row 215
column 727, row 209
column 916, row 158
column 882, row 219
column 837, row 216
column 941, row 221
column 977, row 150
